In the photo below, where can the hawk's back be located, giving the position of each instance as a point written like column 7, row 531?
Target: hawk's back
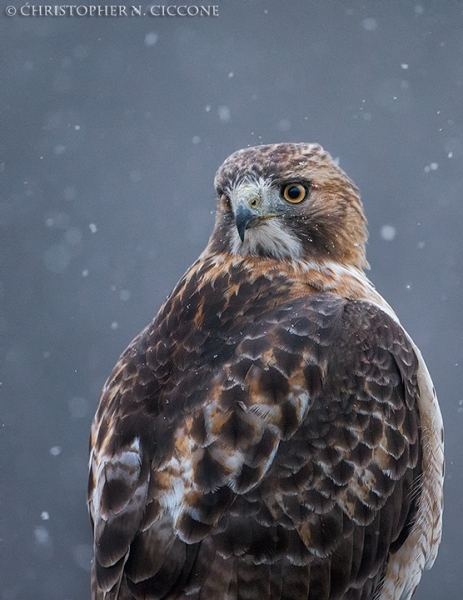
column 260, row 440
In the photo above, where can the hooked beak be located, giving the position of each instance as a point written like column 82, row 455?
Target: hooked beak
column 245, row 217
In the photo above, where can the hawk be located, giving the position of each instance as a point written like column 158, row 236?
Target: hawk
column 274, row 433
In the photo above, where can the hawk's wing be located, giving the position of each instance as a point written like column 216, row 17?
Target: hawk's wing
column 255, row 450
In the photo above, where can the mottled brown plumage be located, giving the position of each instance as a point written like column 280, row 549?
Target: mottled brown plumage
column 273, row 434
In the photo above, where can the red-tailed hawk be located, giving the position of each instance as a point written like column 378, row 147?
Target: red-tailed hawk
column 274, row 433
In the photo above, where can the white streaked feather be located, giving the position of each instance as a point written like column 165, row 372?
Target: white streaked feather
column 125, row 466
column 261, row 184
column 270, row 238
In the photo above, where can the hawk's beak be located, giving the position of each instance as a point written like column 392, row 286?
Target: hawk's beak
column 244, row 218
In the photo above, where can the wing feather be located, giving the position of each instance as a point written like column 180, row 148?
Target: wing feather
column 284, row 455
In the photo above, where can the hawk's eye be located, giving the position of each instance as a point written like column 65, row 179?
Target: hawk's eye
column 294, row 193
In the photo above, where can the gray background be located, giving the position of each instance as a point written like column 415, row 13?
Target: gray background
column 111, row 132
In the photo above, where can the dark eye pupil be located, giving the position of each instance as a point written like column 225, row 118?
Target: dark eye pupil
column 294, row 192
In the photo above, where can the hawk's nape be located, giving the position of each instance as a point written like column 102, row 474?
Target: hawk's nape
column 274, row 432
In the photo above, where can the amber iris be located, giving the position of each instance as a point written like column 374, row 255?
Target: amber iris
column 294, row 192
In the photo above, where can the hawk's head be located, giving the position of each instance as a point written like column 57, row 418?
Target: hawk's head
column 289, row 201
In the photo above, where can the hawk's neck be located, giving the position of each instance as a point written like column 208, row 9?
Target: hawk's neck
column 304, row 277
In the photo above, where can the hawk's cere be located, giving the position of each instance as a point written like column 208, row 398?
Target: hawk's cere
column 274, row 433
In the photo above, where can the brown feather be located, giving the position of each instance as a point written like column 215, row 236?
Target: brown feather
column 260, row 439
